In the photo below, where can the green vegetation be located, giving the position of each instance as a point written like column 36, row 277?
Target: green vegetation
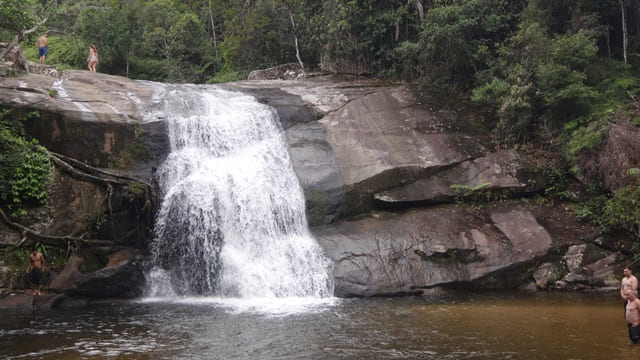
column 25, row 168
column 544, row 74
column 18, row 256
column 472, row 194
column 128, row 155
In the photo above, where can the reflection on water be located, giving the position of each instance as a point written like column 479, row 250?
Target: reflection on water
column 487, row 326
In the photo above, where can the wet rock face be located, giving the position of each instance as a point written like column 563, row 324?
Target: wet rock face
column 446, row 245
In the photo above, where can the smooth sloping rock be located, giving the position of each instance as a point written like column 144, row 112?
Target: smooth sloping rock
column 315, row 165
column 388, row 129
column 503, row 172
column 91, row 117
column 527, row 238
column 425, row 248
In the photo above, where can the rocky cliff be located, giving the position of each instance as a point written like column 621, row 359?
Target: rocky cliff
column 403, row 195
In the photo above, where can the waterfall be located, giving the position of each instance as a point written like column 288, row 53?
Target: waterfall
column 232, row 220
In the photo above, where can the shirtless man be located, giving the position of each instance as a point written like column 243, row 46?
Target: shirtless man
column 43, row 48
column 36, row 266
column 632, row 315
column 629, row 282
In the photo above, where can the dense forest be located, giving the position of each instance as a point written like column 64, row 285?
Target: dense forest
column 550, row 74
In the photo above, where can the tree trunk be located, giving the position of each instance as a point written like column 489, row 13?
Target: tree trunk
column 295, row 37
column 637, row 7
column 128, row 56
column 420, row 8
column 625, row 39
column 213, row 32
column 21, row 36
column 607, row 36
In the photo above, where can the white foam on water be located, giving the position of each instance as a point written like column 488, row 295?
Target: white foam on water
column 265, row 306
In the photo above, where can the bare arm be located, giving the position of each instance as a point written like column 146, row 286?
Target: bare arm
column 634, row 284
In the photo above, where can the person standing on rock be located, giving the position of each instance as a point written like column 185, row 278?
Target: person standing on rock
column 35, row 269
column 43, row 48
column 92, row 60
column 632, row 315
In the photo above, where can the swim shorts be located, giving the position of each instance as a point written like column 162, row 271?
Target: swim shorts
column 634, row 333
column 36, row 276
column 43, row 51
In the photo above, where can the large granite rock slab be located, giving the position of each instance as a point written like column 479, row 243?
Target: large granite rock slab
column 373, row 137
column 91, row 117
column 446, row 245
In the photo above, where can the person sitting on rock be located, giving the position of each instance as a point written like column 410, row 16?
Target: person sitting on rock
column 35, row 269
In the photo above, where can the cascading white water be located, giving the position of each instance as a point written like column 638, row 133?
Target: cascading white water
column 232, row 220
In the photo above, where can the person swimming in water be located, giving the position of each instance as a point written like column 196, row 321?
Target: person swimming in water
column 92, row 60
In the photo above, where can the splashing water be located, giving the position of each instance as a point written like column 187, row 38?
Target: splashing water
column 232, row 220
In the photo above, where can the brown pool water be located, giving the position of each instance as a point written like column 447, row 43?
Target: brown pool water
column 465, row 326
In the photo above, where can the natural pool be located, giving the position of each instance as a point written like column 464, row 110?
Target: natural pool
column 465, row 326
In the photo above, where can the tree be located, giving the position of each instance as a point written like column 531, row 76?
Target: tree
column 459, row 40
column 113, row 30
column 17, row 21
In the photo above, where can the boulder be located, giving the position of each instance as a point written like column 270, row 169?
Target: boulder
column 405, row 253
column 547, row 274
column 290, row 71
column 70, row 276
column 122, row 277
column 590, row 266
